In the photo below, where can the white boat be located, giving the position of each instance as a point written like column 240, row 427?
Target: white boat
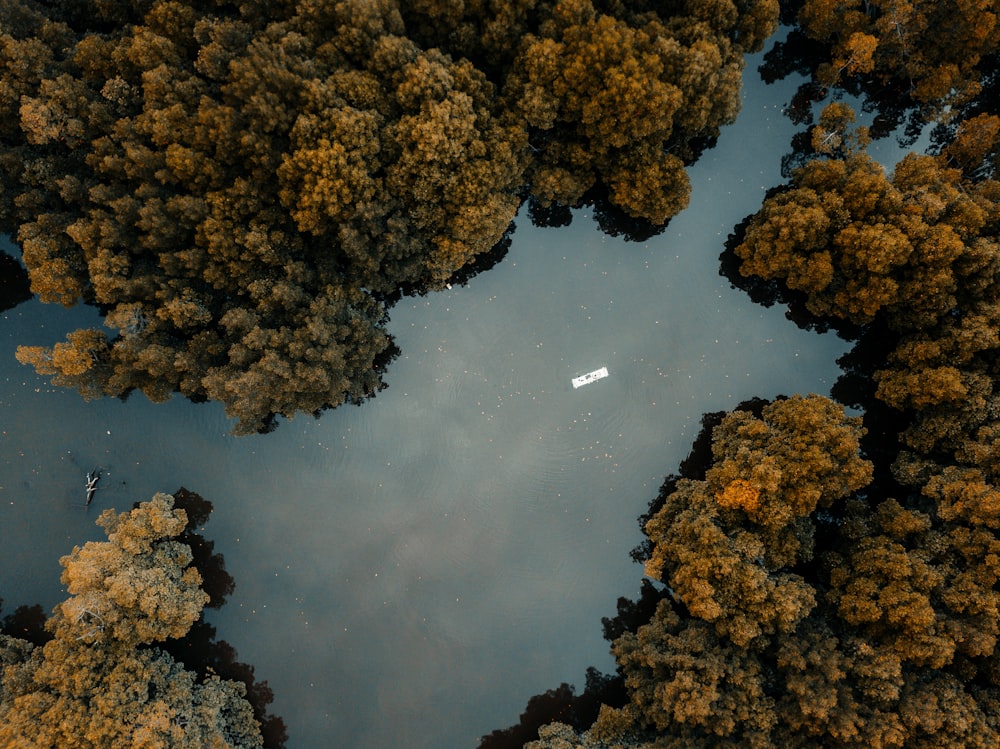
column 597, row 374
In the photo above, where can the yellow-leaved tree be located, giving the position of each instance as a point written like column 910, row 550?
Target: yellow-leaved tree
column 100, row 682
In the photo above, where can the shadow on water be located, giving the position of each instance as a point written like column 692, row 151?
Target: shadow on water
column 199, row 650
column 562, row 705
column 14, row 285
column 26, row 623
column 894, row 111
column 856, row 388
column 610, row 219
column 218, row 583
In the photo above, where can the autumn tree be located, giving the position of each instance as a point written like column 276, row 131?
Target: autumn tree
column 930, row 49
column 217, row 280
column 735, row 552
column 798, row 609
column 242, row 188
column 726, row 546
column 101, row 681
column 619, row 100
column 916, row 252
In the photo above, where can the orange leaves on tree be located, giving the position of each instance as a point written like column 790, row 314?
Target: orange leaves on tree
column 739, row 494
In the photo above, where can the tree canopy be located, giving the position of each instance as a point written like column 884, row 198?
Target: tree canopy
column 824, row 580
column 101, row 681
column 798, row 605
column 242, row 188
column 928, row 48
column 916, row 252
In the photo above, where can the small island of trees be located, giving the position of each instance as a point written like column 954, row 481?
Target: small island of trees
column 102, row 674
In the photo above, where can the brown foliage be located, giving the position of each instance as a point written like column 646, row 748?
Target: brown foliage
column 884, row 634
column 918, row 251
column 96, row 684
column 616, row 100
column 726, row 546
column 193, row 169
column 856, row 242
column 932, row 48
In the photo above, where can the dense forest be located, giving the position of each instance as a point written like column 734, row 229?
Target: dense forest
column 815, row 579
column 243, row 188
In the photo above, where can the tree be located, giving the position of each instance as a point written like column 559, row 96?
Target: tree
column 141, row 146
column 798, row 609
column 100, row 681
column 619, row 100
column 915, row 252
column 727, row 546
column 857, row 242
column 931, row 49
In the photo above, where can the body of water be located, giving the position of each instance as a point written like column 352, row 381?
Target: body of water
column 409, row 572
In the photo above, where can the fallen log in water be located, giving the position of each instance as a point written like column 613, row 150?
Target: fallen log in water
column 92, row 478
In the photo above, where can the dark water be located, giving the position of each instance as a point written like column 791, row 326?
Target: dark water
column 409, row 572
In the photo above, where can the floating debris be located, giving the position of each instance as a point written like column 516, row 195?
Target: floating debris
column 597, row 374
column 92, row 478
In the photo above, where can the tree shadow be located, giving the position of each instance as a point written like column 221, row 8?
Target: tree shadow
column 796, row 54
column 215, row 581
column 615, row 222
column 199, row 650
column 610, row 219
column 26, row 623
column 562, row 705
column 14, row 284
column 856, row 388
column 554, row 216
column 484, row 261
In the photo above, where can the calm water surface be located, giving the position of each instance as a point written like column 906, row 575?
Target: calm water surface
column 408, row 573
